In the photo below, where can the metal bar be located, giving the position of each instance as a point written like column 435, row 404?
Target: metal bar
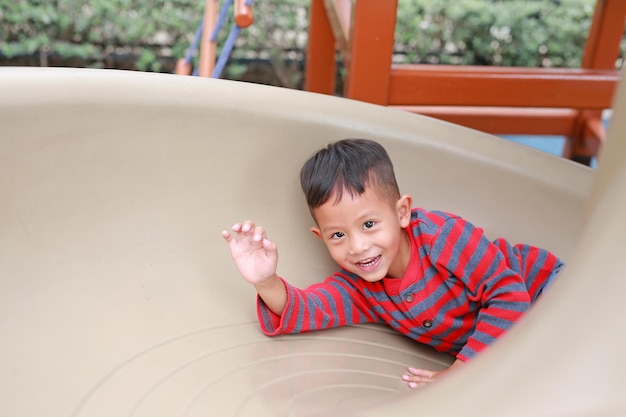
column 207, row 47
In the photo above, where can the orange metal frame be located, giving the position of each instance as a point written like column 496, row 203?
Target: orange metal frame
column 243, row 18
column 499, row 100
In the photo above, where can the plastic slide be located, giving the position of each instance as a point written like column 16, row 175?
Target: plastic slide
column 118, row 296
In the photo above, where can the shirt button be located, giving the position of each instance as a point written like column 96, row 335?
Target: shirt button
column 409, row 298
column 427, row 323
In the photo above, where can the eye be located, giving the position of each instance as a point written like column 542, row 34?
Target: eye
column 368, row 224
column 337, row 235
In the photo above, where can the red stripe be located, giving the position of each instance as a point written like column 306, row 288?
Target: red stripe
column 448, row 249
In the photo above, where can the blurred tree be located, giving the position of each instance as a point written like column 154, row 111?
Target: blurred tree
column 150, row 35
column 534, row 33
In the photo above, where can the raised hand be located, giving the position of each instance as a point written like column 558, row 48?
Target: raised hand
column 255, row 256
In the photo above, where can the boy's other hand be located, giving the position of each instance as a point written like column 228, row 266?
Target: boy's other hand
column 417, row 377
column 254, row 254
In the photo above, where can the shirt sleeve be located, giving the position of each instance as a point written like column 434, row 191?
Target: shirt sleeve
column 335, row 302
column 500, row 293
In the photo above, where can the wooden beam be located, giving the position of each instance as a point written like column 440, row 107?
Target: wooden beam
column 501, row 86
column 607, row 28
column 339, row 14
column 503, row 120
column 371, row 40
column 601, row 52
column 320, row 67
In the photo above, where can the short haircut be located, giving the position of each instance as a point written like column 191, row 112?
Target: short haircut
column 348, row 165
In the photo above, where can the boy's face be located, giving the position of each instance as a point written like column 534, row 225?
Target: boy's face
column 364, row 233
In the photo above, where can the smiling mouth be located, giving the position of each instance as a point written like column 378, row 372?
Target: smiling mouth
column 369, row 262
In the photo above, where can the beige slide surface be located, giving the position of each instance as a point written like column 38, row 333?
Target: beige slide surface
column 118, row 296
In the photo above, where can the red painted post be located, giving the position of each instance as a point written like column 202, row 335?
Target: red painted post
column 371, row 50
column 320, row 68
column 601, row 52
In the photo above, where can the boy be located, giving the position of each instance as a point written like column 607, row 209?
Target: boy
column 428, row 274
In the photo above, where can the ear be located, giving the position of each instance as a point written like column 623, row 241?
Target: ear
column 404, row 206
column 317, row 232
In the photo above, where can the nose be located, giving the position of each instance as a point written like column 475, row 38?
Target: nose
column 358, row 244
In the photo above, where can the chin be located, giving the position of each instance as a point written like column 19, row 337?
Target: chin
column 372, row 278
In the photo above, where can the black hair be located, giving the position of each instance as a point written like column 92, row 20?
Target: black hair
column 348, row 165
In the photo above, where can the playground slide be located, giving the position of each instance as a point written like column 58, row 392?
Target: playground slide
column 118, row 296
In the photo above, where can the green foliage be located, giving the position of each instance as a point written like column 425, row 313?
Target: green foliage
column 149, row 35
column 96, row 31
column 531, row 33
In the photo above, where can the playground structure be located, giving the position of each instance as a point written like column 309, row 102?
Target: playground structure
column 118, row 296
column 497, row 100
column 212, row 23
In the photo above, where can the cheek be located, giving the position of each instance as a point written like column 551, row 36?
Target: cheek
column 393, row 241
column 336, row 252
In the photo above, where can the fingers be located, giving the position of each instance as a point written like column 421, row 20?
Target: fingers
column 245, row 230
column 419, row 377
column 268, row 245
column 422, row 373
column 249, row 229
column 227, row 236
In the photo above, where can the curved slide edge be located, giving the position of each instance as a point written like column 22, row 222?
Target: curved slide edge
column 118, row 296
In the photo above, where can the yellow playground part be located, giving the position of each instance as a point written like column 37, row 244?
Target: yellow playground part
column 118, row 296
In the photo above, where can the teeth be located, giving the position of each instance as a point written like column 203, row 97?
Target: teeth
column 368, row 262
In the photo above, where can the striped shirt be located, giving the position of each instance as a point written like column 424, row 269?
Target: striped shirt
column 460, row 291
